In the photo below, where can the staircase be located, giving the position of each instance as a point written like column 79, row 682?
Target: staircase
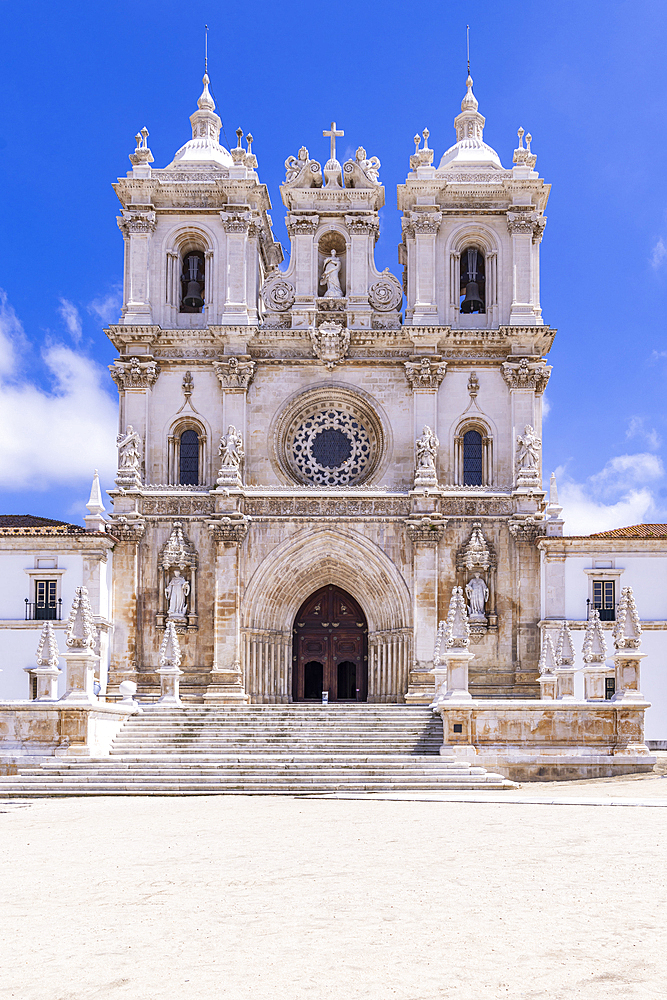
column 263, row 750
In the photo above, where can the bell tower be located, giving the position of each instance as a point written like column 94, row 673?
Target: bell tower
column 472, row 231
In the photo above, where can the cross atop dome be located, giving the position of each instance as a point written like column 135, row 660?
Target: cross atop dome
column 333, row 133
column 332, row 170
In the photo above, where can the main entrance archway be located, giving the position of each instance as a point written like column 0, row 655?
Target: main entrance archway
column 330, row 648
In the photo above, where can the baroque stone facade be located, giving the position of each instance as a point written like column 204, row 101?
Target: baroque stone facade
column 269, row 420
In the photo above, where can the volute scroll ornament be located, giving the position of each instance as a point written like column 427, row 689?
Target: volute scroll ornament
column 425, row 374
column 526, row 374
column 134, row 374
column 278, row 294
column 386, row 294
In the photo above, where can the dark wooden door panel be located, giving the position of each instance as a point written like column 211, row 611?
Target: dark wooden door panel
column 330, row 647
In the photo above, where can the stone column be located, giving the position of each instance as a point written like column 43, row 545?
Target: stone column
column 137, row 229
column 425, row 534
column 124, row 647
column 135, row 378
column 235, row 373
column 525, row 228
column 235, row 309
column 302, row 228
column 226, row 683
column 425, row 226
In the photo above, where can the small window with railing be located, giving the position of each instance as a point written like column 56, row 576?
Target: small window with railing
column 604, row 599
column 46, row 606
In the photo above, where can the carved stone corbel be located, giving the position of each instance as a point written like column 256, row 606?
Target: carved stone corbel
column 235, row 373
column 427, row 529
column 230, row 530
column 425, row 375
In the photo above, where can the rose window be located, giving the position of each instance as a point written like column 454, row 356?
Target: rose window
column 331, row 448
column 328, row 437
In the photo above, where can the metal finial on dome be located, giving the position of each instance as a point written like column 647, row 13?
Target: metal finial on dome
column 206, row 102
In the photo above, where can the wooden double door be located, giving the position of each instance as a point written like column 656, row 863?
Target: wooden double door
column 330, row 650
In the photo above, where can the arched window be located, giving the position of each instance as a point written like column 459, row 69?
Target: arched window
column 472, row 459
column 189, row 459
column 473, row 281
column 192, row 282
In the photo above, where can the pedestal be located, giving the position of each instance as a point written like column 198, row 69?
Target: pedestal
column 547, row 684
column 455, row 679
column 80, row 678
column 47, row 682
column 627, row 663
column 565, row 683
column 169, row 687
column 594, row 678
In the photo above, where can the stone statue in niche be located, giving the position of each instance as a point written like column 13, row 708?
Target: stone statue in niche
column 331, row 276
column 177, row 595
column 477, row 593
column 129, row 450
column 528, row 451
column 426, row 451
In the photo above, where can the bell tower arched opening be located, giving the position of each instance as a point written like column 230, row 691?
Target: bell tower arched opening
column 330, row 649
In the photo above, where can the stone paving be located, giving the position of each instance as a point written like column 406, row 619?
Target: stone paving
column 239, row 897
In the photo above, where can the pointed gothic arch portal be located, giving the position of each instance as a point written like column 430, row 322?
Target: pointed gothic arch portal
column 330, row 648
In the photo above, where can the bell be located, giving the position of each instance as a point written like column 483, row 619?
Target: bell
column 193, row 299
column 472, row 302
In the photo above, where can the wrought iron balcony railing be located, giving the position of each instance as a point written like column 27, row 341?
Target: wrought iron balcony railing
column 51, row 611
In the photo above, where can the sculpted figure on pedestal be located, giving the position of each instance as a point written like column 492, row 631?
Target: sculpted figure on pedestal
column 427, row 451
column 330, row 277
column 477, row 593
column 129, row 450
column 528, row 450
column 177, row 595
column 231, row 449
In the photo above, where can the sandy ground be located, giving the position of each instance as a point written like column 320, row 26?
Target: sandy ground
column 240, row 897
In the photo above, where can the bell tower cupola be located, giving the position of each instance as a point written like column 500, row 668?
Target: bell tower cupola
column 472, row 231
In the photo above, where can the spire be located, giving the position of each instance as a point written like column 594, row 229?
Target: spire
column 595, row 647
column 47, row 650
column 547, row 663
column 206, row 102
column 470, row 102
column 80, row 625
column 564, row 648
column 95, row 521
column 457, row 630
column 554, row 509
column 170, row 651
column 627, row 629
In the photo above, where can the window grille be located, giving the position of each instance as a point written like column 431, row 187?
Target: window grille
column 189, row 459
column 472, row 458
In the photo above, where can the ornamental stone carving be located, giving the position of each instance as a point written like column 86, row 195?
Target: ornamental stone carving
column 232, row 456
column 363, row 225
column 526, row 374
column 130, row 447
column 331, row 342
column 526, row 224
column 236, row 222
column 424, row 223
column 627, row 627
column 427, row 529
column 302, row 225
column 230, row 530
column 476, row 553
column 386, row 294
column 126, row 529
column 235, row 373
column 426, row 374
column 526, row 529
column 426, row 453
column 81, row 632
column 528, row 447
column 134, row 374
column 136, row 223
column 277, row 294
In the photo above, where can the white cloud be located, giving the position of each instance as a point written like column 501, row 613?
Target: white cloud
column 619, row 495
column 658, row 254
column 71, row 318
column 107, row 307
column 546, row 407
column 636, row 428
column 57, row 437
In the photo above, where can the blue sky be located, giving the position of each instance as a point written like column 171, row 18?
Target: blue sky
column 588, row 80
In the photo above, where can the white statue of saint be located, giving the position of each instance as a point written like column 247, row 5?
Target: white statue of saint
column 231, row 449
column 177, row 594
column 528, row 450
column 330, row 276
column 129, row 453
column 426, row 451
column 477, row 593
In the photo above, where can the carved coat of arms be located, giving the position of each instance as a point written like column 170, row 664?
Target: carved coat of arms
column 331, row 342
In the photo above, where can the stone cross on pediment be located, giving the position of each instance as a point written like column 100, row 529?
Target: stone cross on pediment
column 332, row 134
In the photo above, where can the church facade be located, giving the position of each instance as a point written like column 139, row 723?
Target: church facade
column 312, row 455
